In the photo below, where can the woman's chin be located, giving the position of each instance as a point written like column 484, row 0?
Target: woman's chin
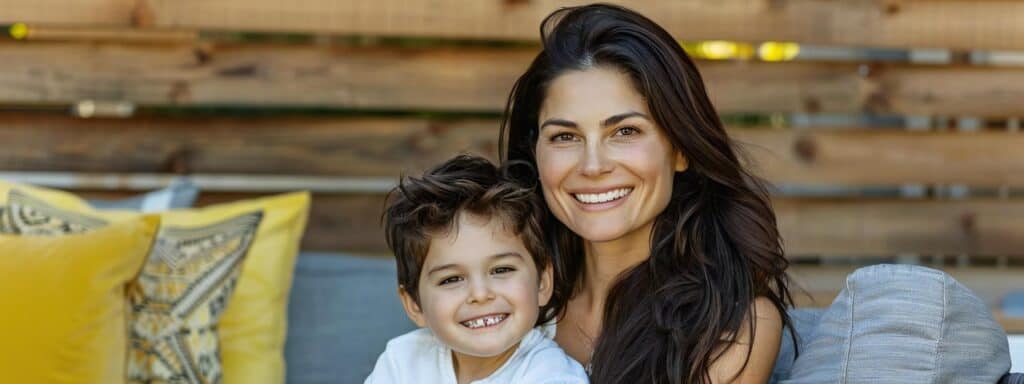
column 601, row 234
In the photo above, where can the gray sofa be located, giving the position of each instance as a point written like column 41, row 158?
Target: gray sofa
column 891, row 324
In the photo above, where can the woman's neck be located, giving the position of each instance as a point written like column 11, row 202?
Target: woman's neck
column 606, row 260
column 471, row 368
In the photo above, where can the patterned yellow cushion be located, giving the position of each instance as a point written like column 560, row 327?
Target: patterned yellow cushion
column 63, row 302
column 253, row 328
column 189, row 283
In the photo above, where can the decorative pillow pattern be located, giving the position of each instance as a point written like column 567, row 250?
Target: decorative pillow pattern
column 252, row 330
column 28, row 216
column 182, row 292
column 180, row 296
column 4, row 227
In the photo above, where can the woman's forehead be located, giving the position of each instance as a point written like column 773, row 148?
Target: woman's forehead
column 591, row 94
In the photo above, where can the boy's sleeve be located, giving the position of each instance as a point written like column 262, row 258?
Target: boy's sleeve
column 384, row 371
column 564, row 380
column 552, row 366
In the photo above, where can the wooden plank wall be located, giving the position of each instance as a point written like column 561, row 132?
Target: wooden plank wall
column 358, row 90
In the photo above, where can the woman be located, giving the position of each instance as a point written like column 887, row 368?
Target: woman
column 669, row 260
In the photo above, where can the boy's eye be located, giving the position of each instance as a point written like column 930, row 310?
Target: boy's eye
column 449, row 280
column 627, row 131
column 501, row 270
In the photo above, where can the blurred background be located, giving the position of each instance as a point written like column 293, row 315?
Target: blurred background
column 891, row 130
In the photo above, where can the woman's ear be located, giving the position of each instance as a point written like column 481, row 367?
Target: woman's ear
column 412, row 309
column 681, row 163
column 546, row 288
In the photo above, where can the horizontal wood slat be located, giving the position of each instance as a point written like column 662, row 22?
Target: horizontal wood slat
column 855, row 228
column 463, row 79
column 385, row 147
column 958, row 24
column 879, row 227
column 877, row 157
column 808, row 226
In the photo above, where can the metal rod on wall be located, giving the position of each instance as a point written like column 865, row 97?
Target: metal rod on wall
column 207, row 182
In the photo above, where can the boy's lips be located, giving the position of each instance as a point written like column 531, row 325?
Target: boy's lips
column 485, row 321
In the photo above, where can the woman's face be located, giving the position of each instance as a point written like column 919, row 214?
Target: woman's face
column 605, row 165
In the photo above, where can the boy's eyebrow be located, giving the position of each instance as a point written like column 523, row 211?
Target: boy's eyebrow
column 493, row 257
column 506, row 254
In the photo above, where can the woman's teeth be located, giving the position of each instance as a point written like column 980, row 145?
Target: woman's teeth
column 597, row 198
column 485, row 321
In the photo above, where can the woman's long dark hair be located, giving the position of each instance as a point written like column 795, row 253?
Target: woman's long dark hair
column 714, row 249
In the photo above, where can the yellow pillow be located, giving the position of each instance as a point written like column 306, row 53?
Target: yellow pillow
column 252, row 328
column 63, row 303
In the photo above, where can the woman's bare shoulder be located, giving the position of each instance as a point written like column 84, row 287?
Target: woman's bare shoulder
column 767, row 336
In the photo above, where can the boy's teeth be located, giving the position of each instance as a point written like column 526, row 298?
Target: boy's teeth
column 595, row 198
column 484, row 321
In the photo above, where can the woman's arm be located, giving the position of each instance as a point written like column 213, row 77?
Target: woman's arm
column 767, row 338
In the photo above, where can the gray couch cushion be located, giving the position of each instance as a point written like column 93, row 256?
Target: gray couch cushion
column 805, row 320
column 342, row 311
column 181, row 193
column 904, row 324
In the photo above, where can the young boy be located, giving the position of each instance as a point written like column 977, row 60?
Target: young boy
column 473, row 272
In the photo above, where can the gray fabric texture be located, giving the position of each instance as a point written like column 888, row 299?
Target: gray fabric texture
column 181, row 193
column 1012, row 378
column 904, row 324
column 804, row 321
column 342, row 311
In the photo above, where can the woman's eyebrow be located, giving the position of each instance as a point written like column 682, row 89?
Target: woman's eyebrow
column 615, row 119
column 561, row 122
column 622, row 116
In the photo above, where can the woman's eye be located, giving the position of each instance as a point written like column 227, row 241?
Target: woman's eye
column 449, row 280
column 501, row 270
column 627, row 131
column 563, row 137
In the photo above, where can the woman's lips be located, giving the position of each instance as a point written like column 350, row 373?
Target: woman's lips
column 596, row 201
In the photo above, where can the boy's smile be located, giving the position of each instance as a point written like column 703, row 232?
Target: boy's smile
column 485, row 321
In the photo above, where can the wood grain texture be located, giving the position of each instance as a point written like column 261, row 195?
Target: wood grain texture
column 463, row 80
column 827, row 228
column 879, row 227
column 958, row 24
column 385, row 147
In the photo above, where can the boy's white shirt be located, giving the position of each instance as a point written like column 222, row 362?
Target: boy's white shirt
column 420, row 357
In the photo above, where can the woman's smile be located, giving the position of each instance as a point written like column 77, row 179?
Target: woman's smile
column 602, row 200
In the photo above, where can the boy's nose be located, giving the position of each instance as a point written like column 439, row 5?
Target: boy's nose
column 479, row 292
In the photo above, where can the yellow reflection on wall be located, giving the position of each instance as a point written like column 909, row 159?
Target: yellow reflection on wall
column 18, row 31
column 778, row 51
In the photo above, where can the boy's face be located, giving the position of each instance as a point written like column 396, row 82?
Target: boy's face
column 480, row 291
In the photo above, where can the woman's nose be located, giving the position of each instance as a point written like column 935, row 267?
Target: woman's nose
column 595, row 160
